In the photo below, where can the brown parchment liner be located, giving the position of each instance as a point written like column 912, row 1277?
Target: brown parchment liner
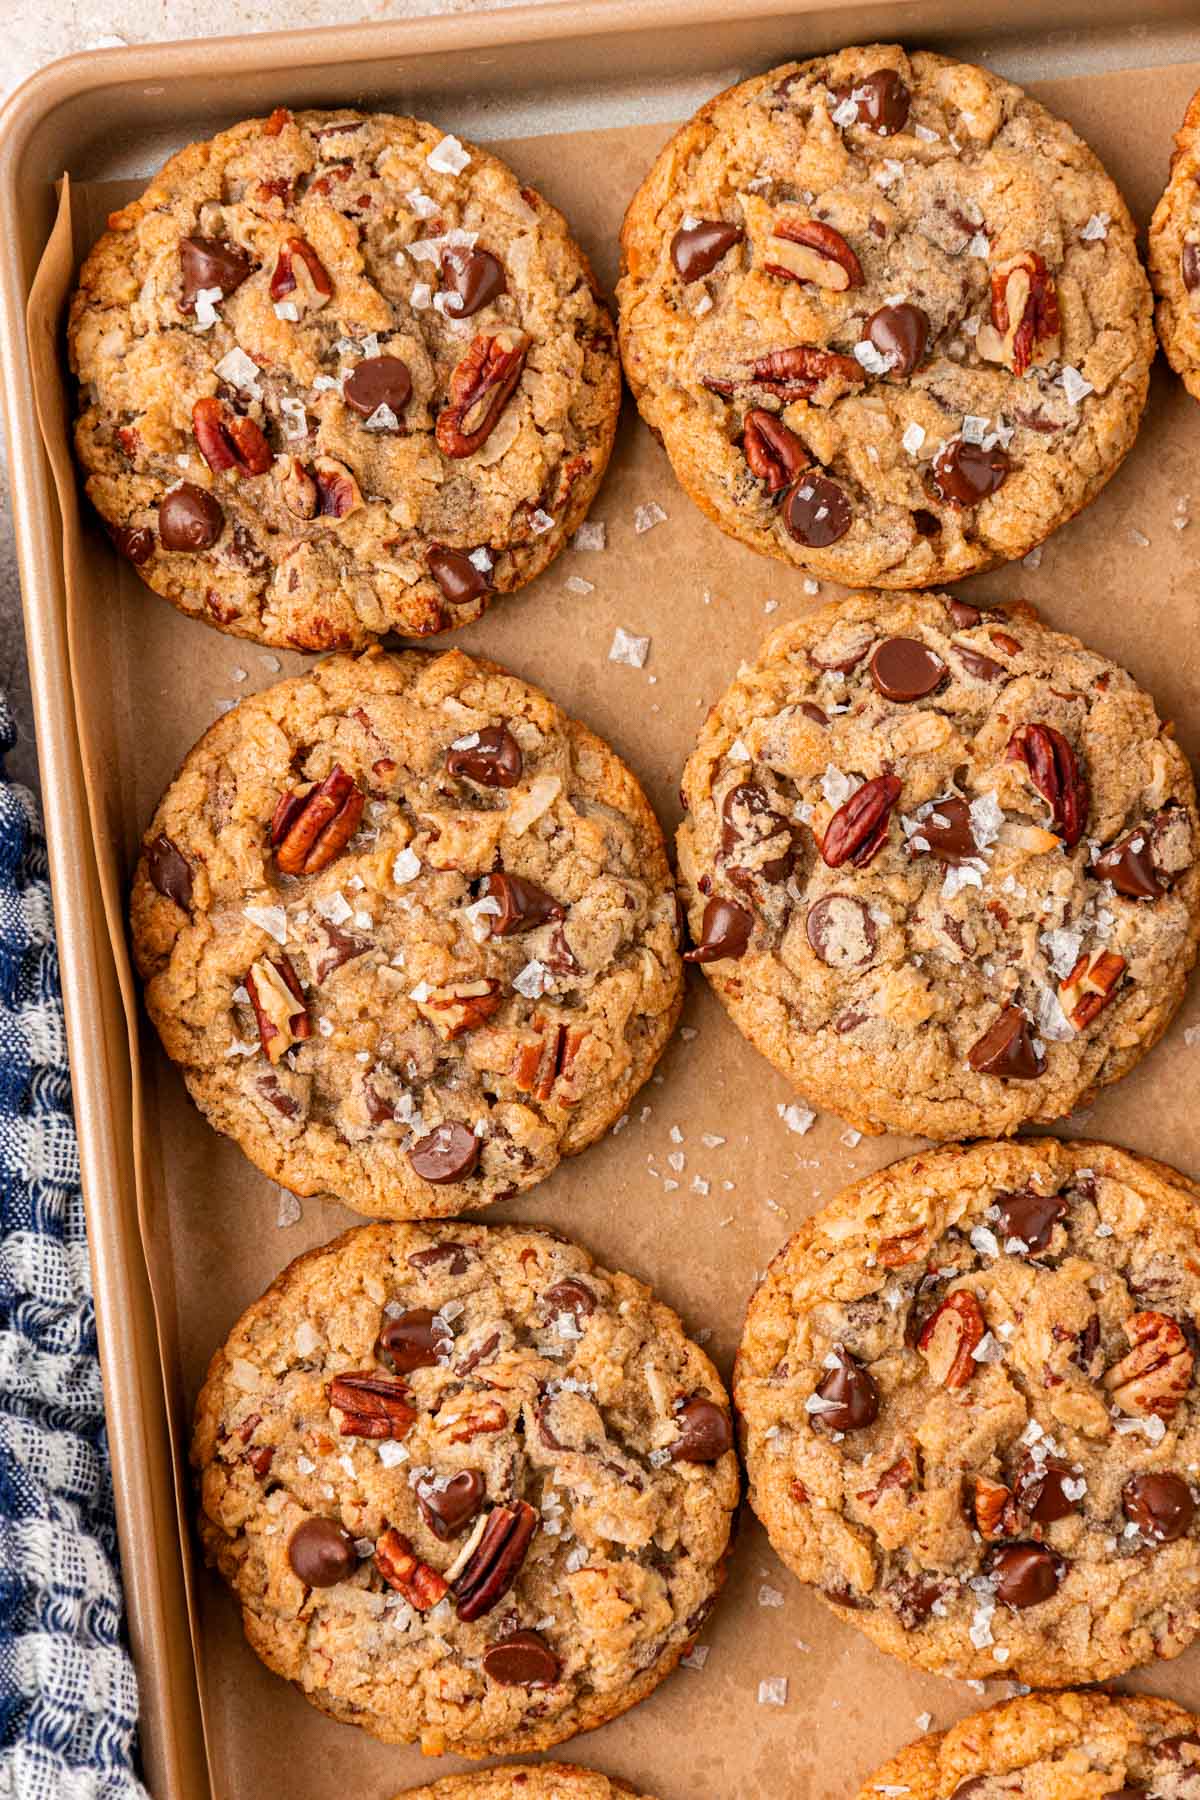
column 146, row 682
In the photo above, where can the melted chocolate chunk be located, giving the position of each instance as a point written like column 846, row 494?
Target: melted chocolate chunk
column 816, row 512
column 523, row 1659
column 883, row 99
column 1129, row 865
column 447, row 1507
column 1189, row 267
column 724, row 932
column 1160, row 1504
column 704, row 1432
column 1030, row 1217
column 475, row 276
column 841, row 931
column 964, row 474
column 901, row 333
column 378, row 381
column 207, row 262
column 523, row 904
column 170, row 871
column 493, row 760
column 417, row 1339
column 850, row 1393
column 456, row 575
column 447, row 1153
column 1007, row 1049
column 904, row 669
column 455, row 1258
column 947, row 831
column 570, row 1295
column 321, row 1553
column 1025, row 1574
column 697, row 249
column 749, row 818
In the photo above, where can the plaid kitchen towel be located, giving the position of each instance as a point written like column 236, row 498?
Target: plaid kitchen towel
column 68, row 1697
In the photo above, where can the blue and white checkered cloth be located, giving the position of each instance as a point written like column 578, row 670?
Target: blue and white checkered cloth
column 68, row 1696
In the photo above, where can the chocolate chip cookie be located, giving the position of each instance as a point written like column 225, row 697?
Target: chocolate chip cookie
column 971, row 1415
column 1057, row 1746
column 524, row 1781
column 469, row 1489
column 1174, row 255
column 886, row 315
column 941, row 864
column 340, row 374
column 409, row 931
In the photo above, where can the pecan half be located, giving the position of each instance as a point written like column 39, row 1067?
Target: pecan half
column 948, row 1337
column 226, row 440
column 300, row 271
column 338, row 491
column 542, row 1062
column 894, row 1252
column 279, row 1006
column 795, row 373
column 480, row 388
column 310, row 827
column 1090, row 986
column 461, row 1007
column 1025, row 318
column 1055, row 773
column 372, row 1405
column 492, row 1558
column 993, row 1503
column 808, row 250
column 858, row 829
column 1157, row 1372
column 421, row 1585
column 773, row 453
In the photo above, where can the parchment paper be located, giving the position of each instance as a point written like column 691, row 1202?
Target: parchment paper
column 147, row 682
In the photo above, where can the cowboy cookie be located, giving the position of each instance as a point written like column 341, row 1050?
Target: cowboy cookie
column 1174, row 255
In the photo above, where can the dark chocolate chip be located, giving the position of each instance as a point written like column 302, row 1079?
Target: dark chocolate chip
column 1030, row 1217
column 456, row 575
column 493, row 760
column 905, row 669
column 570, row 1295
column 170, row 871
column 902, row 333
column 749, row 818
column 947, row 831
column 704, row 1432
column 841, row 931
column 697, row 249
column 984, row 668
column 1129, row 865
column 523, row 1660
column 523, row 904
column 812, row 711
column 883, row 100
column 963, row 474
column 418, row 1339
column 321, row 1553
column 135, row 542
column 1007, row 1049
column 851, row 1391
column 1160, row 1504
column 455, row 1258
column 1038, row 1490
column 816, row 512
column 1173, row 1748
column 724, row 932
column 447, row 1506
column 963, row 615
column 1189, row 267
column 476, row 276
column 189, row 519
column 378, row 381
column 447, row 1153
column 1025, row 1574
column 206, row 262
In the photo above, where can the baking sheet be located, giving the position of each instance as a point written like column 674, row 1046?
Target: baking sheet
column 148, row 681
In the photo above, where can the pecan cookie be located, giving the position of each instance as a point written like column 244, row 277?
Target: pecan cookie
column 469, row 1489
column 941, row 864
column 971, row 1415
column 1174, row 255
column 1057, row 1747
column 409, row 931
column 340, row 375
column 887, row 316
column 524, row 1781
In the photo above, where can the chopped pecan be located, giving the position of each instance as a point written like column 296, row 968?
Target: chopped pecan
column 491, row 1559
column 858, row 829
column 899, row 1475
column 312, row 826
column 260, row 1459
column 461, row 1007
column 372, row 1405
column 993, row 1501
column 421, row 1585
column 773, row 453
column 1090, row 986
column 894, row 1252
column 543, row 1061
column 338, row 492
column 297, row 489
column 279, row 1005
column 1055, row 773
column 227, row 440
column 1025, row 318
column 808, row 250
column 467, row 1422
column 300, row 271
column 480, row 388
column 794, row 373
column 1157, row 1372
column 949, row 1336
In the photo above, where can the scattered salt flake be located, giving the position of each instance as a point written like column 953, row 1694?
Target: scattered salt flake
column 1034, row 558
column 1104, row 1231
column 533, row 980
column 1000, row 1654
column 243, row 1047
column 837, row 787
column 271, row 662
column 333, row 908
column 974, row 428
column 589, row 536
column 448, row 157
column 711, row 1141
column 696, row 1657
column 346, row 1462
column 738, row 752
column 924, row 1721
column 540, row 522
column 926, row 135
column 421, row 296
column 238, row 369
column 1096, row 228
column 629, row 649
column 851, row 1138
column 796, row 1117
column 773, row 1691
column 207, row 301
column 914, row 437
column 984, row 1241
column 306, row 1339
column 391, row 1453
column 677, row 1161
column 271, row 919
column 288, row 310
column 575, row 584
column 382, row 419
column 874, row 361
column 844, row 113
column 406, row 866
column 646, row 517
column 675, row 1135
column 305, row 1465
column 769, row 1596
column 888, row 172
column 1074, row 385
column 979, row 246
column 288, row 1211
column 1139, row 538
column 811, row 586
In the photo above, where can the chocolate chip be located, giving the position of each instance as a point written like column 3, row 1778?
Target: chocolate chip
column 817, row 512
column 1128, row 1793
column 913, row 1598
column 1173, row 1748
column 523, row 904
column 456, row 575
column 984, row 668
column 1087, row 1344
column 135, row 542
column 905, row 669
column 947, row 831
column 814, row 712
column 1030, row 1217
column 1007, row 1049
column 883, row 100
column 170, row 871
column 1038, row 1490
column 456, row 1258
column 697, row 249
column 206, row 262
column 447, row 1506
column 963, row 615
column 902, row 333
column 926, row 524
column 1129, row 865
column 189, row 519
column 1160, row 1505
column 321, row 1553
column 748, row 818
column 523, row 1660
column 853, row 1393
column 964, row 474
column 447, row 1153
column 493, row 760
column 724, row 932
column 841, row 931
column 1189, row 267
column 476, row 276
column 570, row 1295
column 1025, row 1574
column 377, row 381
column 418, row 1339
column 704, row 1432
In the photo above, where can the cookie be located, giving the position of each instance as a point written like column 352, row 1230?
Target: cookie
column 340, row 374
column 1173, row 253
column 469, row 1489
column 970, row 1411
column 886, row 315
column 524, row 1781
column 409, row 931
column 1057, row 1746
column 940, row 864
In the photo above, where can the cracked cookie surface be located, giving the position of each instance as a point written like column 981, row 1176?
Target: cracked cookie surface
column 1173, row 254
column 524, row 1781
column 340, row 375
column 1057, row 1747
column 940, row 864
column 470, row 1489
column 970, row 1410
column 886, row 315
column 409, row 931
